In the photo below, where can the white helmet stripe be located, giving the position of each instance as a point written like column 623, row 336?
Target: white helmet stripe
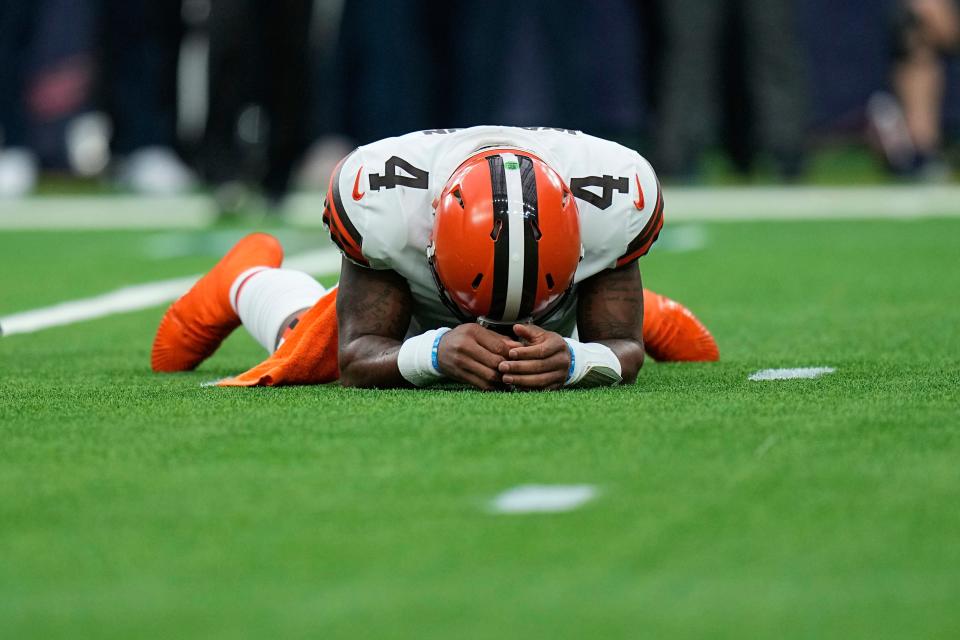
column 515, row 230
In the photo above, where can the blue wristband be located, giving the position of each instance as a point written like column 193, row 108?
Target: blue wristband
column 573, row 362
column 434, row 357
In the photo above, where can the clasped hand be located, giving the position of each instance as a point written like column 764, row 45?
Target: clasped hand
column 487, row 360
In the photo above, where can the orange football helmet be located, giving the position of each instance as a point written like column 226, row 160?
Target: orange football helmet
column 506, row 239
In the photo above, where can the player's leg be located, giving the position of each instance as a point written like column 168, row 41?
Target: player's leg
column 688, row 110
column 777, row 76
column 194, row 326
column 926, row 29
column 671, row 333
column 269, row 302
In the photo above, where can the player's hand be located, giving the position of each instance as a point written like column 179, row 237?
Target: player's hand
column 542, row 363
column 472, row 354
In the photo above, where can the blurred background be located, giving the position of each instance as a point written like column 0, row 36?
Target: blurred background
column 247, row 100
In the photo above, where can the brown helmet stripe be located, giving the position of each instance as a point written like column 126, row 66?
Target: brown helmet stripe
column 531, row 237
column 501, row 236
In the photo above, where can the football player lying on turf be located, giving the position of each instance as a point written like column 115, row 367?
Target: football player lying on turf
column 499, row 257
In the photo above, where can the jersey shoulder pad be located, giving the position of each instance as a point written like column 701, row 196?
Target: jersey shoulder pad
column 644, row 219
column 358, row 224
column 339, row 222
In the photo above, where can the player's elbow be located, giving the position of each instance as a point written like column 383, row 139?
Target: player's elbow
column 353, row 374
column 365, row 366
column 356, row 383
column 349, row 378
column 357, row 377
column 351, row 367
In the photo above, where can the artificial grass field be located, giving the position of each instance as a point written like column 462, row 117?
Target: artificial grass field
column 140, row 505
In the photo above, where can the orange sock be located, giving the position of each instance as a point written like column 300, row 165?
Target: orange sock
column 671, row 333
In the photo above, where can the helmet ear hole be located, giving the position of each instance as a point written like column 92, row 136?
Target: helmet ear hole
column 535, row 225
column 550, row 281
column 476, row 281
column 459, row 196
column 497, row 227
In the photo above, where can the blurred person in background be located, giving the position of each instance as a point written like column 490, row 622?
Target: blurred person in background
column 570, row 63
column 910, row 126
column 46, row 79
column 62, row 59
column 392, row 67
column 139, row 45
column 19, row 164
column 259, row 90
column 402, row 67
column 694, row 84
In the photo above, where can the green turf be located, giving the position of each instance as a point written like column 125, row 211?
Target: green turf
column 137, row 505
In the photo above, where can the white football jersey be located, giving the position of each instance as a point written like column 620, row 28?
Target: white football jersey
column 380, row 203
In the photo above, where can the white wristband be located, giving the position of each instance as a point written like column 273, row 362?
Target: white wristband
column 417, row 359
column 592, row 365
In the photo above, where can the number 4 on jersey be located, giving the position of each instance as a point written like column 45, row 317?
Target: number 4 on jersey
column 391, row 178
column 609, row 184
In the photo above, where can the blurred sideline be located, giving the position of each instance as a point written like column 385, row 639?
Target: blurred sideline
column 701, row 204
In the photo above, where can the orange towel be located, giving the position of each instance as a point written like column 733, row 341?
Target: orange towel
column 307, row 356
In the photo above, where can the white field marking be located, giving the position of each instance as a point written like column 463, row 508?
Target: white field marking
column 729, row 204
column 681, row 239
column 321, row 262
column 543, row 498
column 142, row 296
column 107, row 212
column 708, row 204
column 765, row 446
column 791, row 374
column 122, row 300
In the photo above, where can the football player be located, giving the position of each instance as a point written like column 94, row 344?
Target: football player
column 499, row 257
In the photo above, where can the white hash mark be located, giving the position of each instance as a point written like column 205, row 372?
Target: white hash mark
column 791, row 374
column 765, row 446
column 543, row 498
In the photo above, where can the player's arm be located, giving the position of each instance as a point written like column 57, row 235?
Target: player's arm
column 610, row 312
column 373, row 314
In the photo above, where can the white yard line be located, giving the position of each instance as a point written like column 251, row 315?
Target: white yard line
column 707, row 204
column 543, row 498
column 790, row 374
column 142, row 296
